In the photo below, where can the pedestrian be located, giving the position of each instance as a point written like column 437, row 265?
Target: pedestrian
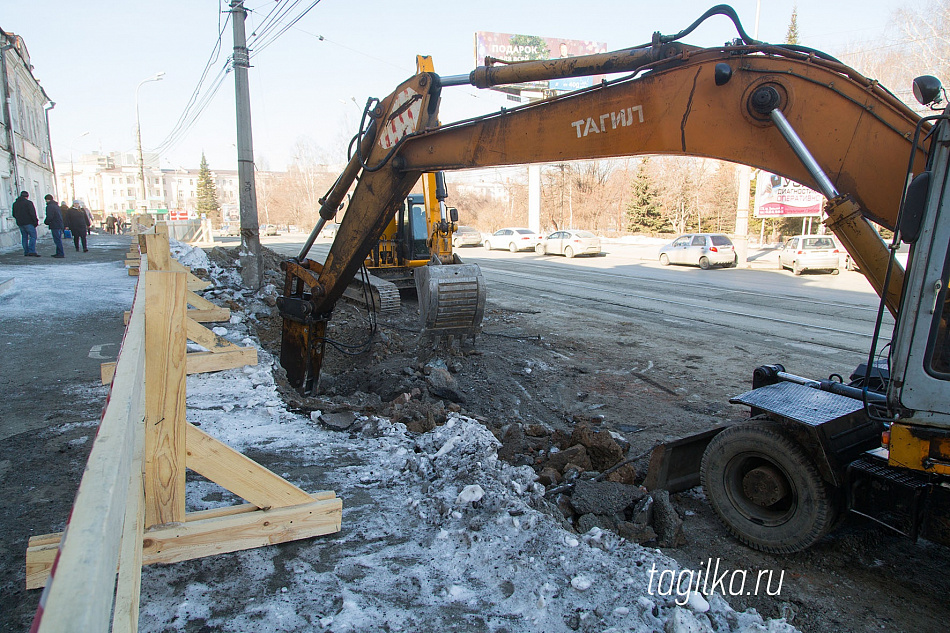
column 110, row 224
column 78, row 224
column 54, row 220
column 25, row 215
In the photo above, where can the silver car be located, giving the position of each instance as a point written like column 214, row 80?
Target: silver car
column 810, row 252
column 569, row 243
column 513, row 238
column 466, row 236
column 700, row 249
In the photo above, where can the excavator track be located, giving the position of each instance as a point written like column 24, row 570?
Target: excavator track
column 385, row 294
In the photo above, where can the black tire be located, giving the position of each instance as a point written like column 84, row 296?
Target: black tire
column 797, row 270
column 664, row 259
column 512, row 248
column 487, row 245
column 540, row 250
column 733, row 263
column 800, row 517
column 835, row 271
column 568, row 252
column 704, row 263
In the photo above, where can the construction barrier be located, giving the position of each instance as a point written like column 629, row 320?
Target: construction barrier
column 130, row 508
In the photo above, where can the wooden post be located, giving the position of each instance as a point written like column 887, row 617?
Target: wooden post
column 165, row 372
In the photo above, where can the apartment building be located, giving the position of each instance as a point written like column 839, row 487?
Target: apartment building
column 110, row 184
column 26, row 162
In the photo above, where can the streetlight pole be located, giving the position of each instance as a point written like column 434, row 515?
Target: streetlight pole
column 72, row 170
column 138, row 134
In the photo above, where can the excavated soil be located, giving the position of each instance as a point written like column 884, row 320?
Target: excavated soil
column 535, row 388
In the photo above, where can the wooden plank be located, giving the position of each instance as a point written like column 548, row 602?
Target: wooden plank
column 199, row 302
column 215, row 315
column 133, row 272
column 42, row 549
column 107, row 372
column 195, row 286
column 201, row 335
column 39, row 560
column 196, row 539
column 159, row 256
column 204, row 362
column 201, row 362
column 80, row 595
column 125, row 615
column 165, row 369
column 126, row 316
column 241, row 475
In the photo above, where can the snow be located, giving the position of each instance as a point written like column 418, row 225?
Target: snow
column 438, row 533
column 40, row 290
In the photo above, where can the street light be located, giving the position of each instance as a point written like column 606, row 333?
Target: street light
column 72, row 171
column 138, row 133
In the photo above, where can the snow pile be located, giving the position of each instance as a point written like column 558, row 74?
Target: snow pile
column 189, row 256
column 438, row 533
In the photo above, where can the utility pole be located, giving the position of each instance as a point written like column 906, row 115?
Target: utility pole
column 251, row 266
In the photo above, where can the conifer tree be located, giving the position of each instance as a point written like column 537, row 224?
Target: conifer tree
column 207, row 192
column 643, row 211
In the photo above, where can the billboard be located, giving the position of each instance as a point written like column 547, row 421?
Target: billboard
column 511, row 47
column 777, row 196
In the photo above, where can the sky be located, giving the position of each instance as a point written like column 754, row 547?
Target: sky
column 309, row 84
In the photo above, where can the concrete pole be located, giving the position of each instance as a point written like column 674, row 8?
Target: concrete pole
column 251, row 266
column 534, row 198
column 742, row 216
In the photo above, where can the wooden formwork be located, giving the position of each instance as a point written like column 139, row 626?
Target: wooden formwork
column 130, row 508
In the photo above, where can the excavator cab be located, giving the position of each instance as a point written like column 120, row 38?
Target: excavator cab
column 412, row 234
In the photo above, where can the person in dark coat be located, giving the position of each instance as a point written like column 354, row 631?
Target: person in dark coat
column 54, row 220
column 78, row 223
column 25, row 215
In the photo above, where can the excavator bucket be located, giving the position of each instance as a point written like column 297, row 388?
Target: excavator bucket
column 451, row 298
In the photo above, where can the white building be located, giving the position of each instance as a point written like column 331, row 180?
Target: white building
column 110, row 184
column 26, row 162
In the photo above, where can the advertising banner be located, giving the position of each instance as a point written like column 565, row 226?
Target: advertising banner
column 776, row 196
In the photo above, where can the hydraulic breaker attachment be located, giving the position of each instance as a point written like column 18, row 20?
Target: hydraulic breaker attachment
column 303, row 333
column 451, row 298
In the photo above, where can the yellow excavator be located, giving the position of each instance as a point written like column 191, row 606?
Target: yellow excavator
column 812, row 450
column 418, row 237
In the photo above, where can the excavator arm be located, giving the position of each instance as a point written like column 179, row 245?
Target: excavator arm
column 676, row 100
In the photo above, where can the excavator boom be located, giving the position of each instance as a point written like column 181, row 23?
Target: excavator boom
column 676, row 100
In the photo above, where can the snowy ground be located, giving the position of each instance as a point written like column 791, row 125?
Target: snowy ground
column 438, row 533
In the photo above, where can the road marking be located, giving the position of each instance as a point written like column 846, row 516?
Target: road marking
column 95, row 349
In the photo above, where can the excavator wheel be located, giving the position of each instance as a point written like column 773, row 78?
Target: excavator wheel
column 766, row 489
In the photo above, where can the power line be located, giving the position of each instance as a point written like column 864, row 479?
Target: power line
column 194, row 108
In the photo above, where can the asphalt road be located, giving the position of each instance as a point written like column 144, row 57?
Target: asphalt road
column 815, row 324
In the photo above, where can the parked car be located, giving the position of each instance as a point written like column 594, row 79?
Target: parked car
column 513, row 238
column 810, row 252
column 329, row 230
column 700, row 249
column 268, row 229
column 569, row 243
column 466, row 236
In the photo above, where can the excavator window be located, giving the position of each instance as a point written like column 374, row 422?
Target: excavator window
column 939, row 348
column 418, row 231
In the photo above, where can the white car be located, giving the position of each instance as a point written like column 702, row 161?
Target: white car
column 513, row 238
column 569, row 243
